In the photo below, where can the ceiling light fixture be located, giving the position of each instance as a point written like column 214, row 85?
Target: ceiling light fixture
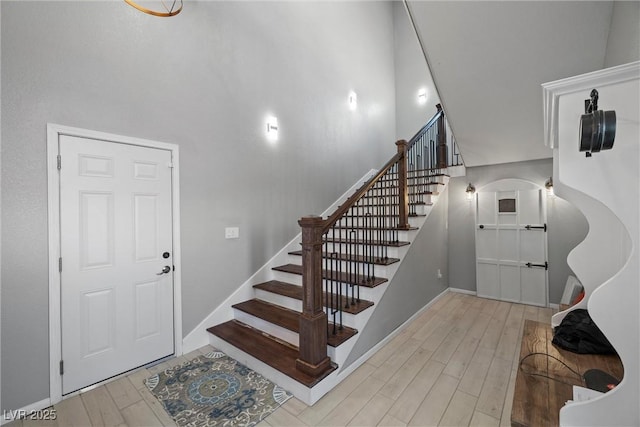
column 176, row 8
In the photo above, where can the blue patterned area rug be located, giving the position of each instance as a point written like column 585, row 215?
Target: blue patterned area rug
column 216, row 390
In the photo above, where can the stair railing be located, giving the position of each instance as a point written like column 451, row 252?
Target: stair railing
column 340, row 253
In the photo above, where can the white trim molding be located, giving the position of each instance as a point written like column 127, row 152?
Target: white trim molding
column 54, row 131
column 552, row 91
column 463, row 291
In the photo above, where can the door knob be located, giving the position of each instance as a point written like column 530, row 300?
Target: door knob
column 165, row 270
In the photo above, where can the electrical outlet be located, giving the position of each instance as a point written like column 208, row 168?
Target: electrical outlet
column 439, row 274
column 231, row 233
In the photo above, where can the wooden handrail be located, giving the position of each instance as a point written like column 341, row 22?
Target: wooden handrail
column 334, row 217
column 424, row 128
column 313, row 320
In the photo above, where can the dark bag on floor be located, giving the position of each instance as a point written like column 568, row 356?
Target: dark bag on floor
column 578, row 333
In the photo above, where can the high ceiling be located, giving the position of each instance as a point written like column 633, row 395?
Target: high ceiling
column 488, row 60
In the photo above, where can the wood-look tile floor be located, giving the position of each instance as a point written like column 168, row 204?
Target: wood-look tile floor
column 455, row 365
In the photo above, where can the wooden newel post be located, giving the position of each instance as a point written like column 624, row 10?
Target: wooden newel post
column 403, row 199
column 441, row 151
column 313, row 321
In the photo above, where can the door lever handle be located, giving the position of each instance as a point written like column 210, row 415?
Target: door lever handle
column 165, row 270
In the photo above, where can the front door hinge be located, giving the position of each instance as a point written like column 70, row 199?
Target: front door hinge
column 60, row 264
column 59, row 161
column 62, row 367
column 170, row 165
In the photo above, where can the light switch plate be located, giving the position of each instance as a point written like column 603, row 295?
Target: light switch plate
column 231, row 233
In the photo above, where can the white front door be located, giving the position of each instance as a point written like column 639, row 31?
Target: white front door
column 511, row 246
column 116, row 258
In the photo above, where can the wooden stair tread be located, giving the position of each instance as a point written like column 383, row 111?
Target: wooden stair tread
column 370, row 242
column 295, row 292
column 290, row 319
column 354, row 258
column 420, row 203
column 275, row 353
column 341, row 277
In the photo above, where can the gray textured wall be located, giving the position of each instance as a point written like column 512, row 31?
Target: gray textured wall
column 205, row 80
column 415, row 283
column 412, row 73
column 567, row 225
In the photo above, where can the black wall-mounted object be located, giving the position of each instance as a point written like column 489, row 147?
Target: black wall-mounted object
column 597, row 127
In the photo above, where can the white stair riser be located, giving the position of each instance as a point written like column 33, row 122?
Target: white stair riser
column 356, row 234
column 369, row 222
column 348, row 319
column 387, row 212
column 295, row 279
column 420, row 210
column 354, row 267
column 391, row 252
column 285, row 334
column 268, row 327
column 376, row 199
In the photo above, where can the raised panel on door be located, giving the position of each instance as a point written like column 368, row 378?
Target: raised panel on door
column 96, row 229
column 115, row 223
column 534, row 290
column 488, row 280
column 532, row 246
column 487, row 244
column 510, row 282
column 508, row 244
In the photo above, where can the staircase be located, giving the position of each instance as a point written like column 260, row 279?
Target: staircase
column 302, row 315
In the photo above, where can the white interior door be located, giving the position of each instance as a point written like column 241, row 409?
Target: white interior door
column 511, row 246
column 116, row 257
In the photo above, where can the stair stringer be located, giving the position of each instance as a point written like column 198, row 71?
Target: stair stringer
column 611, row 179
column 199, row 336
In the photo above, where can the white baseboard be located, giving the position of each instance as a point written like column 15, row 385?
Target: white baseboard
column 25, row 412
column 556, row 306
column 463, row 291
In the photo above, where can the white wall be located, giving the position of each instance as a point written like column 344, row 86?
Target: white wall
column 606, row 187
column 205, row 80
